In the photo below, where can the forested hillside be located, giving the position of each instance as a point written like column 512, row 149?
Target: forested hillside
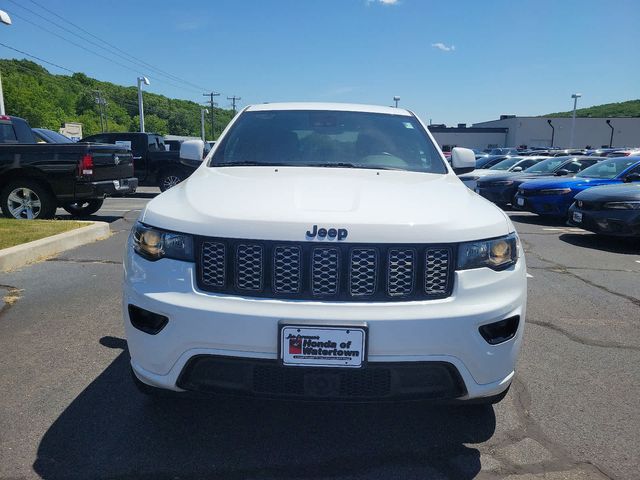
column 48, row 100
column 630, row 108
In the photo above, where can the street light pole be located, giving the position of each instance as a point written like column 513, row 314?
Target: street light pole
column 141, row 80
column 202, row 134
column 575, row 97
column 396, row 99
column 6, row 19
column 553, row 131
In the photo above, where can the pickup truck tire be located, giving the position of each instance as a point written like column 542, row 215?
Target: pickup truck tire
column 27, row 199
column 170, row 178
column 87, row 207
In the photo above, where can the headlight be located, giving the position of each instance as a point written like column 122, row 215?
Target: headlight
column 500, row 183
column 554, row 191
column 497, row 253
column 631, row 205
column 154, row 244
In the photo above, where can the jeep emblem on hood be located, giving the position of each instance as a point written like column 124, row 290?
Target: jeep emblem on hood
column 330, row 233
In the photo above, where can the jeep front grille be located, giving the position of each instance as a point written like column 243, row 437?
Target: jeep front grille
column 325, row 271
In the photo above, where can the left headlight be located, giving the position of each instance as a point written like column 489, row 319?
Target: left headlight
column 496, row 253
column 554, row 191
column 154, row 243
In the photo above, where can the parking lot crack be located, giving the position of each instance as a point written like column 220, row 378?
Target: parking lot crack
column 581, row 340
column 84, row 260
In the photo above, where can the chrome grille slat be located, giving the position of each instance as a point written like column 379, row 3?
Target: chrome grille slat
column 325, row 271
column 287, row 275
column 401, row 272
column 362, row 269
column 213, row 264
column 249, row 268
column 436, row 271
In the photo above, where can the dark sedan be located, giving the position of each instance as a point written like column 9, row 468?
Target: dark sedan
column 609, row 210
column 501, row 189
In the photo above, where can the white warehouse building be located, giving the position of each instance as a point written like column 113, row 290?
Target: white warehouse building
column 513, row 131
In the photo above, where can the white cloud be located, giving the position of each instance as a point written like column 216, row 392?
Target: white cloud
column 384, row 2
column 443, row 47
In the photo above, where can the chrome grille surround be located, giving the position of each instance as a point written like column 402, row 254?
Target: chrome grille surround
column 287, row 274
column 324, row 271
column 327, row 271
column 436, row 271
column 213, row 264
column 363, row 271
column 249, row 267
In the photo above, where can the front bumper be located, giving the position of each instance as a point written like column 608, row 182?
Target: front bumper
column 619, row 223
column 551, row 205
column 242, row 328
column 501, row 195
column 107, row 188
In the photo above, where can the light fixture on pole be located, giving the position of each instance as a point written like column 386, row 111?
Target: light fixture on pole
column 575, row 97
column 396, row 99
column 141, row 80
column 610, row 138
column 553, row 131
column 6, row 19
column 203, row 111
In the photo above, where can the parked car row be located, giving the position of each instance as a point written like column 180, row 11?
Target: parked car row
column 600, row 193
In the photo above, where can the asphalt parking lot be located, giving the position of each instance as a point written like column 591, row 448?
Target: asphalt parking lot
column 70, row 410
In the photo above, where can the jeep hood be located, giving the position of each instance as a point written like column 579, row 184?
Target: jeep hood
column 282, row 203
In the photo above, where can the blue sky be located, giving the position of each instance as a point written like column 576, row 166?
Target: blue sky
column 449, row 61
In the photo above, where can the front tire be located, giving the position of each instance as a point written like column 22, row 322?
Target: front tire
column 84, row 208
column 26, row 199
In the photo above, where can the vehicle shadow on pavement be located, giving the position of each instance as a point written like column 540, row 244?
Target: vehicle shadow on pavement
column 539, row 220
column 111, row 430
column 603, row 243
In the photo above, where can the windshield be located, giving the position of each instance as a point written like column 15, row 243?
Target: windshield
column 546, row 166
column 301, row 138
column 506, row 164
column 608, row 169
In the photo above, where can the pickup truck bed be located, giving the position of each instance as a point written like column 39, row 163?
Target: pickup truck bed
column 35, row 179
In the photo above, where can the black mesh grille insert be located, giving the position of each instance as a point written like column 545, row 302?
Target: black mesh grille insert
column 318, row 271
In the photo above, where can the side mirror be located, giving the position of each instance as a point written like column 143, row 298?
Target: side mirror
column 632, row 177
column 192, row 150
column 562, row 172
column 463, row 160
column 517, row 169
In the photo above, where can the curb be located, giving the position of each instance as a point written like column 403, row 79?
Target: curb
column 20, row 255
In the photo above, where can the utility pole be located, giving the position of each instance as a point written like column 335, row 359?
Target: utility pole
column 234, row 99
column 6, row 19
column 102, row 103
column 213, row 112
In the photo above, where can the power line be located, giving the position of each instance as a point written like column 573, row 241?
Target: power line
column 94, row 52
column 112, row 46
column 37, row 58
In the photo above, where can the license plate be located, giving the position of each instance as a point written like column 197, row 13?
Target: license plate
column 520, row 201
column 315, row 346
column 577, row 217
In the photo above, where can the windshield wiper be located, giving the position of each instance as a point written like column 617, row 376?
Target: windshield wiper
column 348, row 165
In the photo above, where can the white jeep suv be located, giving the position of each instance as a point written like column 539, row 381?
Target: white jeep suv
column 325, row 251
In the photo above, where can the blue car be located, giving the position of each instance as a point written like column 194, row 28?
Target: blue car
column 554, row 196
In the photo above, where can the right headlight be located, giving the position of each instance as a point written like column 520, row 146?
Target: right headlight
column 496, row 253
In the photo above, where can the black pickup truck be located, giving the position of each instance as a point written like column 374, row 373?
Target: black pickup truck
column 36, row 178
column 154, row 165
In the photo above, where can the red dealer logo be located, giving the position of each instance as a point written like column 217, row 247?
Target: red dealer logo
column 295, row 346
